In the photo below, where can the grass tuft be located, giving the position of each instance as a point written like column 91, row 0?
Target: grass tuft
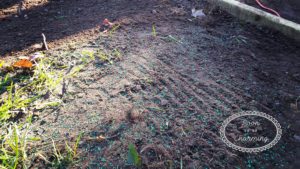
column 14, row 148
column 62, row 160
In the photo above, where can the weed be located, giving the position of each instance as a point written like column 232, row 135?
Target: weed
column 102, row 56
column 44, row 78
column 75, row 70
column 62, row 160
column 117, row 54
column 114, row 28
column 40, row 106
column 14, row 147
column 20, row 95
column 14, row 100
column 171, row 38
column 154, row 30
column 133, row 156
column 1, row 63
column 88, row 55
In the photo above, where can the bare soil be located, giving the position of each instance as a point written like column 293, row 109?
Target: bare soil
column 169, row 93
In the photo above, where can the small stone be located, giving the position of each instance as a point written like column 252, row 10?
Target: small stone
column 42, row 122
column 196, row 155
column 164, row 102
column 40, row 131
column 154, row 11
column 80, row 95
column 92, row 43
column 134, row 115
column 297, row 138
column 253, row 56
column 266, row 74
column 136, row 88
column 37, row 46
column 296, row 76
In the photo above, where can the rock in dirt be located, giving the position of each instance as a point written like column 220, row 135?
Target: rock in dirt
column 37, row 46
column 296, row 77
column 154, row 11
column 134, row 115
column 297, row 138
column 80, row 95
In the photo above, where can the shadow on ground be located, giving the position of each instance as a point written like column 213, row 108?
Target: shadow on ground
column 59, row 19
column 8, row 3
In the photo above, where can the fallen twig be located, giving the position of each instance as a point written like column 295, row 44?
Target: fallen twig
column 44, row 41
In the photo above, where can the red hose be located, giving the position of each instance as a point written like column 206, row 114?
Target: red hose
column 269, row 9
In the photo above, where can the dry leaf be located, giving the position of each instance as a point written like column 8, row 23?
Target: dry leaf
column 198, row 13
column 23, row 63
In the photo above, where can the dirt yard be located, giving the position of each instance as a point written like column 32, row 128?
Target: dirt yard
column 170, row 89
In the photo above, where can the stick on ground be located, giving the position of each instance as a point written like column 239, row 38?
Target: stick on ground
column 44, row 41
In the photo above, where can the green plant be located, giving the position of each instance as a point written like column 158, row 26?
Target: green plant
column 88, row 55
column 14, row 100
column 75, row 70
column 45, row 78
column 62, row 160
column 4, row 82
column 14, row 147
column 133, row 156
column 114, row 28
column 117, row 54
column 102, row 56
column 1, row 63
column 154, row 30
column 6, row 106
column 17, row 96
